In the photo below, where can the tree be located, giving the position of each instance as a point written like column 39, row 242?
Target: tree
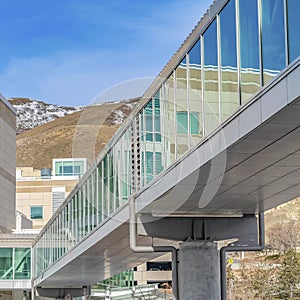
column 263, row 281
column 289, row 275
column 283, row 236
column 229, row 281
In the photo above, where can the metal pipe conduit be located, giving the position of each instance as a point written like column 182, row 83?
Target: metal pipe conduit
column 148, row 249
column 232, row 248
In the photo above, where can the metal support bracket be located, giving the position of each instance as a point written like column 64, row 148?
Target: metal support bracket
column 60, row 293
column 244, row 229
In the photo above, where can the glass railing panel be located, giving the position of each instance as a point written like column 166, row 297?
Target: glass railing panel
column 22, row 263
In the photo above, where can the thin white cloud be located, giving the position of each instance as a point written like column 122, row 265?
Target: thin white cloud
column 66, row 78
column 76, row 77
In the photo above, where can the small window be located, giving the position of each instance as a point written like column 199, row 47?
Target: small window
column 69, row 168
column 159, row 266
column 182, row 122
column 36, row 212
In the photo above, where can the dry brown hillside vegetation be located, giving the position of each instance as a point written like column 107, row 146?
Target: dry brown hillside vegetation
column 81, row 134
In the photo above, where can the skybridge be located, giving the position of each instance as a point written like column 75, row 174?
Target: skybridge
column 214, row 143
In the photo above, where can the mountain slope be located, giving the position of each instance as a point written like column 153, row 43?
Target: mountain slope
column 33, row 113
column 94, row 126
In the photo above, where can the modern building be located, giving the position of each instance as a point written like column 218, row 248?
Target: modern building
column 36, row 194
column 69, row 167
column 15, row 249
column 39, row 193
column 225, row 71
column 230, row 59
column 7, row 165
column 235, row 49
column 15, row 265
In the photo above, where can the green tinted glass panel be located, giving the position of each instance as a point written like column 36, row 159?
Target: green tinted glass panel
column 105, row 186
column 22, row 262
column 142, row 126
column 158, row 163
column 124, row 279
column 58, row 168
column 149, row 121
column 36, row 212
column 111, row 182
column 125, row 175
column 194, row 122
column 157, row 127
column 149, row 166
column 66, row 168
column 182, row 122
column 6, row 260
column 99, row 197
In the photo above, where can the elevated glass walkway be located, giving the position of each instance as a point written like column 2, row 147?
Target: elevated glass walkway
column 237, row 48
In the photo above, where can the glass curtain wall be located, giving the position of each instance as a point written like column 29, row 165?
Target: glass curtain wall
column 273, row 38
column 195, row 94
column 169, row 121
column 243, row 47
column 148, row 153
column 126, row 165
column 111, row 200
column 158, row 146
column 211, row 78
column 229, row 74
column 105, row 165
column 100, row 192
column 249, row 49
column 15, row 263
column 151, row 140
column 293, row 22
column 93, row 193
column 22, row 263
column 182, row 115
column 6, row 263
column 117, row 174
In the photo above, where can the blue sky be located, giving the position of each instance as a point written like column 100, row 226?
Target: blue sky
column 69, row 51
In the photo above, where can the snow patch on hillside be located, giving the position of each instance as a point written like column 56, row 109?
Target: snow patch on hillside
column 34, row 113
column 118, row 116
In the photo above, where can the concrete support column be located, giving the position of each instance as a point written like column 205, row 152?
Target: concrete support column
column 199, row 271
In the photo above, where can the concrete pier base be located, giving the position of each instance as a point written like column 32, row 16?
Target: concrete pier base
column 199, row 271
